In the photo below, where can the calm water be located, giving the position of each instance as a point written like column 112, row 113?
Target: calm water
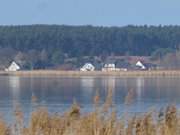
column 58, row 93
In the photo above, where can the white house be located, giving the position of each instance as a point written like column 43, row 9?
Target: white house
column 87, row 67
column 140, row 65
column 109, row 67
column 13, row 67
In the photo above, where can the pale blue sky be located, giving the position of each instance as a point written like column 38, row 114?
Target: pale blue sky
column 90, row 12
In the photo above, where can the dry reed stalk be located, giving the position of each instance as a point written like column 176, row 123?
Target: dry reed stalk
column 108, row 102
column 4, row 129
column 73, row 123
column 130, row 97
column 130, row 126
column 93, row 73
column 171, row 119
column 102, row 121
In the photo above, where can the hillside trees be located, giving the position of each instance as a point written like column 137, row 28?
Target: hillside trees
column 41, row 46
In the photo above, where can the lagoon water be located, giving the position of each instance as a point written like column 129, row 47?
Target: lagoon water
column 58, row 93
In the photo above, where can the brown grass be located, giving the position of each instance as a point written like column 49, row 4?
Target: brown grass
column 130, row 73
column 102, row 121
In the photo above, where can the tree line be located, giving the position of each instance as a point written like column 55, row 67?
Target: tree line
column 41, row 46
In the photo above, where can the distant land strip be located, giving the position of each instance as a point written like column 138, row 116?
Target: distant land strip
column 154, row 73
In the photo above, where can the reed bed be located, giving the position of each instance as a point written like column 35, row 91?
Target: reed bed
column 103, row 120
column 130, row 73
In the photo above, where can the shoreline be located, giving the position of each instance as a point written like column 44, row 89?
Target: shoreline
column 150, row 73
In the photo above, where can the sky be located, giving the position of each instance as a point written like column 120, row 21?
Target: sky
column 90, row 12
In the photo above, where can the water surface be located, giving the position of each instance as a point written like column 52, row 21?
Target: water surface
column 58, row 93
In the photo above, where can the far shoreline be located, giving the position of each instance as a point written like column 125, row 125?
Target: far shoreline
column 132, row 73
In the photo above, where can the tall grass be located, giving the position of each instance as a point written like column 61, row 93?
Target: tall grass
column 103, row 120
column 131, row 73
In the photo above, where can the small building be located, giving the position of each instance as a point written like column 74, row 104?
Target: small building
column 109, row 67
column 150, row 66
column 13, row 67
column 87, row 67
column 140, row 65
column 122, row 65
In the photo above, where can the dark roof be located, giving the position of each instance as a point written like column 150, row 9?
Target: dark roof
column 148, row 65
column 122, row 64
column 110, row 61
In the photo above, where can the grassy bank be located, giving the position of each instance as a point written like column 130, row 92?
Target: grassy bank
column 94, row 73
column 102, row 121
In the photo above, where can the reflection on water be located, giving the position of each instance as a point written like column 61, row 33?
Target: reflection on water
column 140, row 82
column 57, row 93
column 87, row 85
column 139, row 87
column 110, row 84
column 14, row 84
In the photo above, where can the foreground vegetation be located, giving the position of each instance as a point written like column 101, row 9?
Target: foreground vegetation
column 102, row 121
